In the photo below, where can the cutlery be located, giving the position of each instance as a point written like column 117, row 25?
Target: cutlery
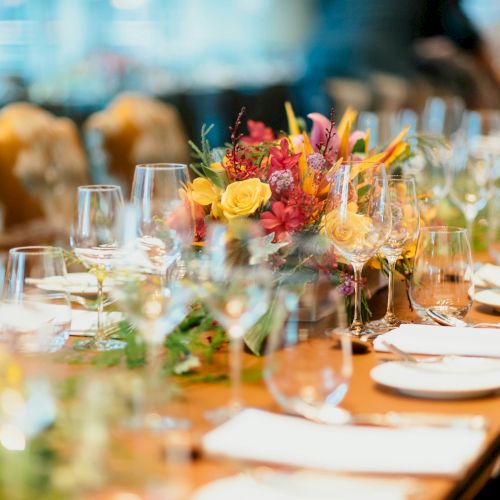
column 406, row 356
column 448, row 320
column 339, row 416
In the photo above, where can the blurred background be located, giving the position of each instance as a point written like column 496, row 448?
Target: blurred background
column 112, row 83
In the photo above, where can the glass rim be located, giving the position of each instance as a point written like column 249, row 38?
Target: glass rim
column 35, row 250
column 443, row 229
column 162, row 166
column 357, row 162
column 100, row 187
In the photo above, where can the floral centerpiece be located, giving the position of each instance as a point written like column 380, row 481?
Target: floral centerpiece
column 282, row 179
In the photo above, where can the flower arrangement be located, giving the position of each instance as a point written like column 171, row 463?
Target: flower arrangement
column 282, row 180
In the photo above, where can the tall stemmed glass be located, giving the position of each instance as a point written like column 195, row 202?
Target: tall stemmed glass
column 404, row 232
column 430, row 166
column 94, row 240
column 358, row 220
column 472, row 182
column 165, row 221
column 237, row 289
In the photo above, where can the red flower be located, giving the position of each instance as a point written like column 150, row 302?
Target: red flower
column 282, row 159
column 258, row 133
column 281, row 220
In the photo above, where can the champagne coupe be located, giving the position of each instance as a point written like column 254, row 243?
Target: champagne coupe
column 236, row 287
column 358, row 220
column 166, row 222
column 31, row 304
column 94, row 240
column 404, row 233
column 442, row 272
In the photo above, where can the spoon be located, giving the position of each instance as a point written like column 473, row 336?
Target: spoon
column 448, row 320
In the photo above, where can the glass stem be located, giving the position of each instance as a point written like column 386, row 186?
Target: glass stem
column 390, row 317
column 235, row 349
column 469, row 222
column 100, row 309
column 357, row 322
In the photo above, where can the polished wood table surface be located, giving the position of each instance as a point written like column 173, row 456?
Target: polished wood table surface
column 152, row 454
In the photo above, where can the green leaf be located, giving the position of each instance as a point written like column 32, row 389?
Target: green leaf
column 359, row 146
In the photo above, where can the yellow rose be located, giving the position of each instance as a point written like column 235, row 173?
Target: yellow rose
column 243, row 198
column 204, row 192
column 348, row 229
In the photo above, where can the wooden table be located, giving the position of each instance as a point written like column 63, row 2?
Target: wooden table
column 186, row 474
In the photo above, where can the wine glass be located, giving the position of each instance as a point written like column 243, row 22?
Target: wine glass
column 472, row 181
column 30, row 270
column 494, row 227
column 430, row 167
column 442, row 272
column 236, row 286
column 94, row 240
column 155, row 306
column 165, row 220
column 358, row 220
column 404, row 233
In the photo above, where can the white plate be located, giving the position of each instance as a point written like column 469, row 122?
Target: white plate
column 489, row 298
column 455, row 377
column 74, row 283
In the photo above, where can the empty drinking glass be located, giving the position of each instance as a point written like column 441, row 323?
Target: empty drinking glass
column 307, row 371
column 95, row 240
column 442, row 272
column 28, row 294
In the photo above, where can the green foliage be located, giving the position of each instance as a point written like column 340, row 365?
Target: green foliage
column 203, row 167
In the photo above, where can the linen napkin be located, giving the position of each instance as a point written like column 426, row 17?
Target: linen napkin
column 442, row 340
column 266, row 437
column 303, row 486
column 487, row 276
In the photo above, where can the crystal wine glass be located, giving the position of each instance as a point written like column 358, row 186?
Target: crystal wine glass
column 236, row 287
column 442, row 272
column 472, row 181
column 358, row 220
column 30, row 270
column 165, row 220
column 94, row 240
column 430, row 167
column 404, row 233
column 155, row 306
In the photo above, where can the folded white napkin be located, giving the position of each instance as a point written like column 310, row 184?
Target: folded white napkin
column 86, row 321
column 267, row 437
column 304, row 485
column 430, row 339
column 487, row 275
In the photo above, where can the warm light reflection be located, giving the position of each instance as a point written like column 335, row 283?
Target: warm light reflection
column 12, row 438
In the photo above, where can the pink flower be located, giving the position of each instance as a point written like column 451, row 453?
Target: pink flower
column 281, row 220
column 258, row 133
column 319, row 133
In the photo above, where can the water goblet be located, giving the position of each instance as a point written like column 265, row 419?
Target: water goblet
column 358, row 220
column 94, row 240
column 442, row 272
